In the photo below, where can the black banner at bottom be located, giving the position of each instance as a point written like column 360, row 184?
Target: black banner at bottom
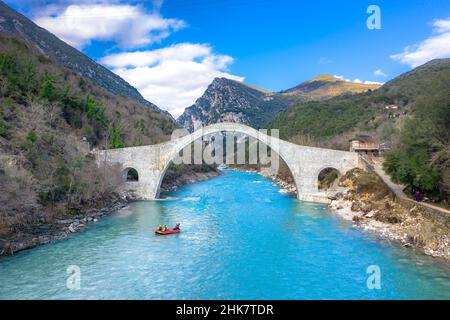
column 226, row 309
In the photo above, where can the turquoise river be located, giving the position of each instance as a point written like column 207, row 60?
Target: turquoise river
column 241, row 239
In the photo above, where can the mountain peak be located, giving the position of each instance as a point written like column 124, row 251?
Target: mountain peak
column 226, row 81
column 220, row 80
column 325, row 77
column 326, row 86
column 228, row 100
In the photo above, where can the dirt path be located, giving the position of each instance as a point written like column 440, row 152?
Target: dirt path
column 397, row 189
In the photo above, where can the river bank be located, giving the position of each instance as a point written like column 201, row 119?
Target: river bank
column 57, row 229
column 369, row 204
column 394, row 222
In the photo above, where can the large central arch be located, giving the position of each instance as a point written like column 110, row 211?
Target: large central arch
column 151, row 162
column 182, row 143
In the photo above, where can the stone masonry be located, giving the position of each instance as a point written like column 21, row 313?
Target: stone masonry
column 152, row 161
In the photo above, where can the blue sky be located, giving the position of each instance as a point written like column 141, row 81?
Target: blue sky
column 171, row 50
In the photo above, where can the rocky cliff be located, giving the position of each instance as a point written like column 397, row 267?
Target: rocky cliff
column 232, row 101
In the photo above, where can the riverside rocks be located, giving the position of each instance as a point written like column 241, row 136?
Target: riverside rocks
column 56, row 230
column 390, row 220
column 287, row 187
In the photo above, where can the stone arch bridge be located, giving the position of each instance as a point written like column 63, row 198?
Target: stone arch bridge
column 152, row 161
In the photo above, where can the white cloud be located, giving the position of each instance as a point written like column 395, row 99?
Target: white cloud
column 373, row 82
column 357, row 80
column 380, row 73
column 442, row 25
column 184, row 52
column 130, row 26
column 172, row 77
column 342, row 78
column 437, row 46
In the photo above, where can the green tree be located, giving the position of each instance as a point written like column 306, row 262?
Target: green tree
column 47, row 88
column 3, row 128
column 96, row 116
column 115, row 139
column 94, row 111
column 422, row 158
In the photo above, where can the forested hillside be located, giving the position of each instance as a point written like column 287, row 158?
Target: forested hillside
column 324, row 120
column 41, row 41
column 422, row 157
column 49, row 119
column 417, row 127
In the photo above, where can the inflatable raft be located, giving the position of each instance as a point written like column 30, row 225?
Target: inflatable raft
column 168, row 231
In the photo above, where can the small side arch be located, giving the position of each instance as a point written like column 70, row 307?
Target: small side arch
column 327, row 178
column 130, row 175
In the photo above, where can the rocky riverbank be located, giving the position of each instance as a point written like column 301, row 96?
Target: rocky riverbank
column 287, row 186
column 368, row 204
column 57, row 229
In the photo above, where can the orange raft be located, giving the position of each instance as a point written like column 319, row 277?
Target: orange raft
column 168, row 231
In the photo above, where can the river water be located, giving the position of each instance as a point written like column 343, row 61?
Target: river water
column 241, row 239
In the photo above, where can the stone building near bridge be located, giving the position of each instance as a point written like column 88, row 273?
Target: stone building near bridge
column 365, row 145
